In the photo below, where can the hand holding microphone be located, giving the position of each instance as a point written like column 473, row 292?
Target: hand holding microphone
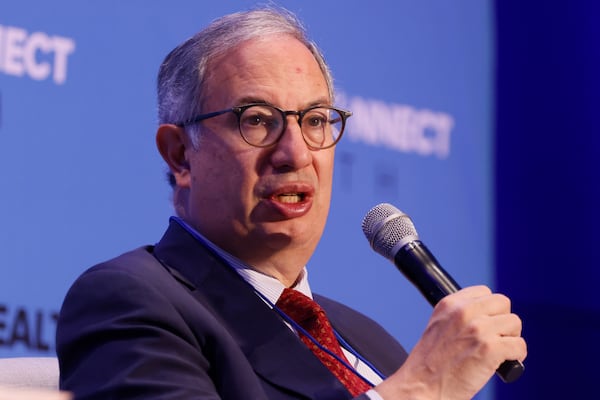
column 471, row 327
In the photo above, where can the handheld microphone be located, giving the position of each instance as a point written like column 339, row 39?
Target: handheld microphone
column 392, row 234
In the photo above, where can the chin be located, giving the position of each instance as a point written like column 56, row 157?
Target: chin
column 283, row 237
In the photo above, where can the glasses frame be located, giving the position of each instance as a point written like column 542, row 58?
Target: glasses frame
column 239, row 110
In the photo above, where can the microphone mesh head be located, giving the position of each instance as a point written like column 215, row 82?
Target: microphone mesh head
column 388, row 229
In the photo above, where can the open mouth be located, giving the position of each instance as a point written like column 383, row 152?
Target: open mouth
column 290, row 197
column 292, row 201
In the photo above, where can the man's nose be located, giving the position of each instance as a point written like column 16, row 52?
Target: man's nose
column 291, row 150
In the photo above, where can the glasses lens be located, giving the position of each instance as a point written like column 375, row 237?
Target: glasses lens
column 261, row 125
column 322, row 127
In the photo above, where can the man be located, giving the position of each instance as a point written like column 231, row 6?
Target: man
column 248, row 129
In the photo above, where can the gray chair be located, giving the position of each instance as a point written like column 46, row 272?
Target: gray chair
column 29, row 372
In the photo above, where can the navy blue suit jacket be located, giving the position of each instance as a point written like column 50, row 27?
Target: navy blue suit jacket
column 173, row 321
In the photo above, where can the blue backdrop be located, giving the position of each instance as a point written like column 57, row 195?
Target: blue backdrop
column 548, row 190
column 82, row 181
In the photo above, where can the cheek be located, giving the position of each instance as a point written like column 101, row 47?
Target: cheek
column 224, row 176
column 324, row 168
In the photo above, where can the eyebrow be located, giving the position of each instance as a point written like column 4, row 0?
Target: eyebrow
column 259, row 100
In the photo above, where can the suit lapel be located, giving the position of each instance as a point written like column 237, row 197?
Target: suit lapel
column 272, row 349
column 365, row 336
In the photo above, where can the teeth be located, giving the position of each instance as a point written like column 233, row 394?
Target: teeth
column 290, row 198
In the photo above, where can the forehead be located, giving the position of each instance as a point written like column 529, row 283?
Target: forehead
column 275, row 68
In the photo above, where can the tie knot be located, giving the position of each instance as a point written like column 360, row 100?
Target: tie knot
column 299, row 307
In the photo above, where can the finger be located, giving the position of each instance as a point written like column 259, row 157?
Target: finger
column 473, row 303
column 493, row 304
column 513, row 348
column 462, row 299
column 511, row 325
column 495, row 338
column 500, row 325
column 474, row 291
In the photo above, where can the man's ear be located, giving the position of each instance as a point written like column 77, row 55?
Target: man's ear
column 172, row 142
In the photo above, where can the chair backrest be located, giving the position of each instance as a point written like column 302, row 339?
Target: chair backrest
column 29, row 372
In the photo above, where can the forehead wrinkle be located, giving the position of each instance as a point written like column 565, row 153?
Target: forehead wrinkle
column 241, row 63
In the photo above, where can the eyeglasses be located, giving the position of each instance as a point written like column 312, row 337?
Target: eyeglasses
column 262, row 125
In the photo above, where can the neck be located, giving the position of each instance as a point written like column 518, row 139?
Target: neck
column 288, row 277
column 284, row 263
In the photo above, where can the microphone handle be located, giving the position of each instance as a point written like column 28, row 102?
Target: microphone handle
column 421, row 268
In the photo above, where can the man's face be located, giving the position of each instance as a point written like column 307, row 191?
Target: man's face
column 261, row 203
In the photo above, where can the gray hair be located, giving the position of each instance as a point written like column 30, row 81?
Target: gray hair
column 182, row 74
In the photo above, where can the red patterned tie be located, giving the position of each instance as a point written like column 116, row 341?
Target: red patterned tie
column 310, row 316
